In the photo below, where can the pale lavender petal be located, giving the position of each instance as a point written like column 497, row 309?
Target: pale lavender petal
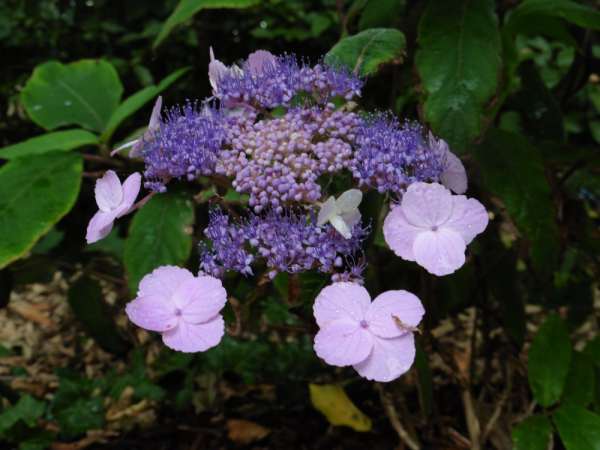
column 99, row 226
column 124, row 146
column 200, row 299
column 131, row 189
column 189, row 338
column 259, row 60
column 343, row 343
column 454, row 176
column 109, row 192
column 389, row 358
column 341, row 301
column 164, row 281
column 155, row 116
column 394, row 313
column 326, row 212
column 427, row 205
column 469, row 217
column 399, row 234
column 216, row 70
column 349, row 200
column 441, row 252
column 152, row 312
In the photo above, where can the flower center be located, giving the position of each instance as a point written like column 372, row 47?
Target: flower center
column 434, row 228
column 364, row 324
column 177, row 312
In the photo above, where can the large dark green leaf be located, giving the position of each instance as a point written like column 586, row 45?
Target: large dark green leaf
column 578, row 428
column 160, row 234
column 186, row 9
column 133, row 103
column 381, row 13
column 27, row 409
column 35, row 192
column 532, row 434
column 512, row 169
column 84, row 93
column 366, row 51
column 459, row 62
column 86, row 300
column 549, row 360
column 571, row 11
column 57, row 140
column 581, row 381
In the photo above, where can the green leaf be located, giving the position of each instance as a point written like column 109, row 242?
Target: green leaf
column 539, row 108
column 592, row 350
column 187, row 8
column 81, row 415
column 133, row 103
column 58, row 140
column 459, row 62
column 35, row 193
column 27, row 409
column 364, row 52
column 381, row 13
column 581, row 381
column 549, row 360
column 578, row 428
column 84, row 93
column 532, row 434
column 87, row 302
column 527, row 196
column 159, row 234
column 573, row 12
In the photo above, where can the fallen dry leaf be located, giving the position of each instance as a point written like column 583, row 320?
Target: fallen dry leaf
column 244, row 432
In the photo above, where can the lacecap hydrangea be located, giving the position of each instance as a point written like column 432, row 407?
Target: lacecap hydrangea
column 285, row 135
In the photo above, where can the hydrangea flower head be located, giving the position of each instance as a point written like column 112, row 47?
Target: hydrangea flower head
column 114, row 200
column 342, row 213
column 183, row 308
column 433, row 227
column 376, row 338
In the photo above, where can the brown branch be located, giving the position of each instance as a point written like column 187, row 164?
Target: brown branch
column 392, row 415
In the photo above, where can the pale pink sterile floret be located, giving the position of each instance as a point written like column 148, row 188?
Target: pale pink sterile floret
column 184, row 308
column 454, row 175
column 153, row 125
column 114, row 200
column 376, row 338
column 433, row 227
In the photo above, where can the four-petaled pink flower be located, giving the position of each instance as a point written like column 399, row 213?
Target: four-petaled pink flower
column 375, row 338
column 114, row 200
column 183, row 308
column 433, row 227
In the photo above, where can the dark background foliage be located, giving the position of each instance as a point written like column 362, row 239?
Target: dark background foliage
column 508, row 356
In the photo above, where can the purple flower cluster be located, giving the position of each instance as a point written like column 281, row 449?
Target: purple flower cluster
column 389, row 156
column 289, row 242
column 281, row 78
column 279, row 160
column 186, row 143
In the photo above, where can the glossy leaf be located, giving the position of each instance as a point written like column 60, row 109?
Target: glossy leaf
column 136, row 101
column 366, row 51
column 459, row 62
column 571, row 11
column 579, row 429
column 186, row 9
column 333, row 402
column 549, row 360
column 49, row 142
column 84, row 93
column 160, row 234
column 35, row 193
column 87, row 302
column 532, row 434
column 527, row 196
